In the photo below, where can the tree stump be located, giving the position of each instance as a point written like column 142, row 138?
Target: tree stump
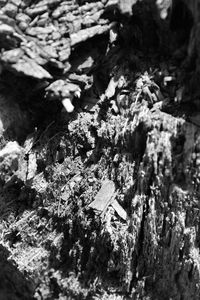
column 100, row 201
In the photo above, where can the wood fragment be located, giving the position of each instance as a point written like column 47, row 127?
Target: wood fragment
column 104, row 196
column 119, row 209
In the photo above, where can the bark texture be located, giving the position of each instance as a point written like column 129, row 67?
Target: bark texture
column 101, row 200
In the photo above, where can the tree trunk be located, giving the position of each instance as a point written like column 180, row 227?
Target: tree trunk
column 100, row 188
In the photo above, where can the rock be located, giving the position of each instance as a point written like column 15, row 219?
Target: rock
column 65, row 92
column 10, row 9
column 12, row 56
column 21, row 17
column 70, row 88
column 56, row 36
column 3, row 2
column 48, row 52
column 4, row 19
column 92, row 19
column 23, row 26
column 54, row 90
column 43, row 20
column 64, row 54
column 16, row 2
column 47, row 32
column 27, row 67
column 112, row 4
column 38, row 10
column 35, row 31
column 86, row 63
column 6, row 29
column 86, row 34
column 34, row 52
column 61, row 89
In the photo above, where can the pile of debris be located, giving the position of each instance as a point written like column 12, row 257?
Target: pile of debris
column 38, row 37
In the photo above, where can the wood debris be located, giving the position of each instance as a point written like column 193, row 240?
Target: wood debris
column 106, row 197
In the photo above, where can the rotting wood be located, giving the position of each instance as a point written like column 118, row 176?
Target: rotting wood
column 146, row 247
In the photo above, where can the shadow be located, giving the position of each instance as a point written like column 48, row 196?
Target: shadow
column 82, row 256
column 181, row 21
column 13, row 284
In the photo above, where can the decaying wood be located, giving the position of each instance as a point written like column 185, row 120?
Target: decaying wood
column 104, row 196
column 101, row 201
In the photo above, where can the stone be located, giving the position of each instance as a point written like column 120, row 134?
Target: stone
column 56, row 35
column 35, row 31
column 43, row 20
column 4, row 19
column 34, row 21
column 67, row 18
column 12, row 56
column 91, row 7
column 76, row 25
column 37, row 10
column 60, row 89
column 21, row 17
column 23, row 26
column 49, row 52
column 3, row 2
column 53, row 91
column 70, row 88
column 92, row 19
column 64, row 54
column 53, row 2
column 34, row 52
column 6, row 29
column 57, row 13
column 10, row 10
column 29, row 67
column 88, row 33
column 16, row 2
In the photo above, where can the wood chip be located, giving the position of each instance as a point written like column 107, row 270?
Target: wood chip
column 119, row 209
column 104, row 196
